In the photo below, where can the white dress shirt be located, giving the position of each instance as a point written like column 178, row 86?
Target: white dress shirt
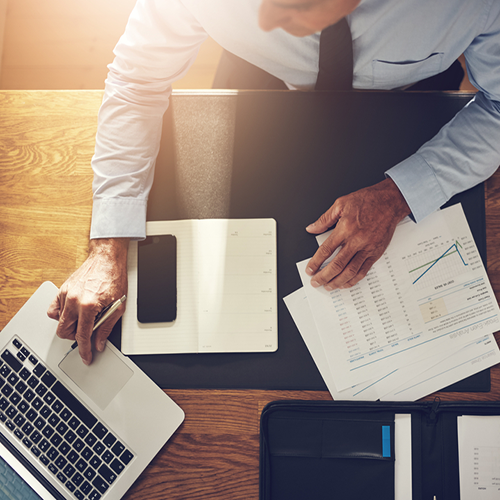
column 395, row 43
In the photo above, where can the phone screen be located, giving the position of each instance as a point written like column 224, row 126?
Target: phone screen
column 157, row 279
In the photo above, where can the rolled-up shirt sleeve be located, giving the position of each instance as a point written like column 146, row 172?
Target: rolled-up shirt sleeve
column 466, row 151
column 160, row 43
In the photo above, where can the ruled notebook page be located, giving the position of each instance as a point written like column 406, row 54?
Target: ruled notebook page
column 226, row 290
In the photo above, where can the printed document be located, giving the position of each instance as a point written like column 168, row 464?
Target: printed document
column 428, row 293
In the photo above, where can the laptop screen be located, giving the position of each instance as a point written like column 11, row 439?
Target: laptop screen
column 13, row 486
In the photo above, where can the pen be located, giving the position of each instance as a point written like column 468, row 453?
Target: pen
column 102, row 317
column 107, row 312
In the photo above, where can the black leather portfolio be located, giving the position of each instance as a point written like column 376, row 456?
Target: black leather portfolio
column 288, row 156
column 347, row 450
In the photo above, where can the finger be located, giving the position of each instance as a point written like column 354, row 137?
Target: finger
column 340, row 270
column 54, row 310
column 84, row 333
column 326, row 249
column 327, row 220
column 363, row 271
column 102, row 333
column 66, row 328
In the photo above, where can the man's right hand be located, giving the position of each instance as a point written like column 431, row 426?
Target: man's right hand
column 101, row 280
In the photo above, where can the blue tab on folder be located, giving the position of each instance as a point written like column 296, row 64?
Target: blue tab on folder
column 386, row 441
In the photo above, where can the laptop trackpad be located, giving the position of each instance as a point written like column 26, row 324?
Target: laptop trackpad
column 102, row 380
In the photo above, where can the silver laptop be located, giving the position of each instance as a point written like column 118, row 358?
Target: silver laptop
column 67, row 430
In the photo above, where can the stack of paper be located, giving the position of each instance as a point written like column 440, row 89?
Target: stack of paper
column 420, row 320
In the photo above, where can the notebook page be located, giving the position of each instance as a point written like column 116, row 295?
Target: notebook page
column 237, row 280
column 181, row 335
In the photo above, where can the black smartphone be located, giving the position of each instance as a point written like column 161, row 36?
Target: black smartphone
column 157, row 279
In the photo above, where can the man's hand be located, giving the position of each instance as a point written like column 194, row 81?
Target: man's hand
column 100, row 280
column 365, row 222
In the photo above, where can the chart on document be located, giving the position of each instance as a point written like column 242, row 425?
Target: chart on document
column 429, row 288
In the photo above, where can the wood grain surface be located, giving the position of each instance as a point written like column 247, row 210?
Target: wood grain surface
column 46, row 143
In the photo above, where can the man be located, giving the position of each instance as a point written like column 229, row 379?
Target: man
column 395, row 43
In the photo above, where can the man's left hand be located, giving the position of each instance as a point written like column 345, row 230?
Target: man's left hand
column 364, row 224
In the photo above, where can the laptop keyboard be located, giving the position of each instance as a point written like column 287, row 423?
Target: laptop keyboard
column 56, row 427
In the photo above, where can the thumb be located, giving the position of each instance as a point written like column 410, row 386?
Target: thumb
column 326, row 221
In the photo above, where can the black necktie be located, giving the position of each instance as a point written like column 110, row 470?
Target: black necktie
column 335, row 58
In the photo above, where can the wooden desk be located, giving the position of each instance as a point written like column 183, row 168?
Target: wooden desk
column 46, row 143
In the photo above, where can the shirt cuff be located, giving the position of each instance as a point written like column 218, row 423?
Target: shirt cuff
column 419, row 186
column 118, row 218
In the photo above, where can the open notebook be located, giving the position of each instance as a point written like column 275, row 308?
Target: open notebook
column 226, row 290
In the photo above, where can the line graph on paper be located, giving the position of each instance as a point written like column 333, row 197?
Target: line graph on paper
column 437, row 262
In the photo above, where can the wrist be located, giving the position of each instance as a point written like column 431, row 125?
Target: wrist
column 112, row 248
column 396, row 199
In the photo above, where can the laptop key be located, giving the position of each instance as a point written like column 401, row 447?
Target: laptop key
column 81, row 465
column 48, row 379
column 29, row 395
column 100, row 484
column 118, row 448
column 24, row 374
column 31, row 414
column 39, row 370
column 70, row 437
column 69, row 470
column 99, row 430
column 7, row 390
column 44, row 460
column 18, row 434
column 90, row 439
column 35, row 451
column 86, row 488
column 61, row 462
column 65, row 414
column 109, row 440
column 15, row 398
column 64, row 448
column 5, row 371
column 33, row 360
column 61, row 477
column 72, row 457
column 44, row 445
column 108, row 456
column 45, row 412
column 3, row 404
column 10, row 425
column 77, row 479
column 56, row 439
column 99, row 447
column 17, row 343
column 71, row 487
column 117, row 466
column 32, row 381
column 13, row 379
column 52, row 468
column 9, row 358
column 90, row 473
column 21, row 356
column 49, row 398
column 11, row 412
column 107, row 473
column 37, row 403
column 41, row 390
column 57, row 406
column 52, row 453
column 23, row 407
column 35, row 437
column 78, row 445
column 39, row 423
column 95, row 462
column 78, row 494
column 94, row 495
column 74, row 423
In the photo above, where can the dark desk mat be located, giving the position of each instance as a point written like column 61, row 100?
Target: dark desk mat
column 286, row 155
